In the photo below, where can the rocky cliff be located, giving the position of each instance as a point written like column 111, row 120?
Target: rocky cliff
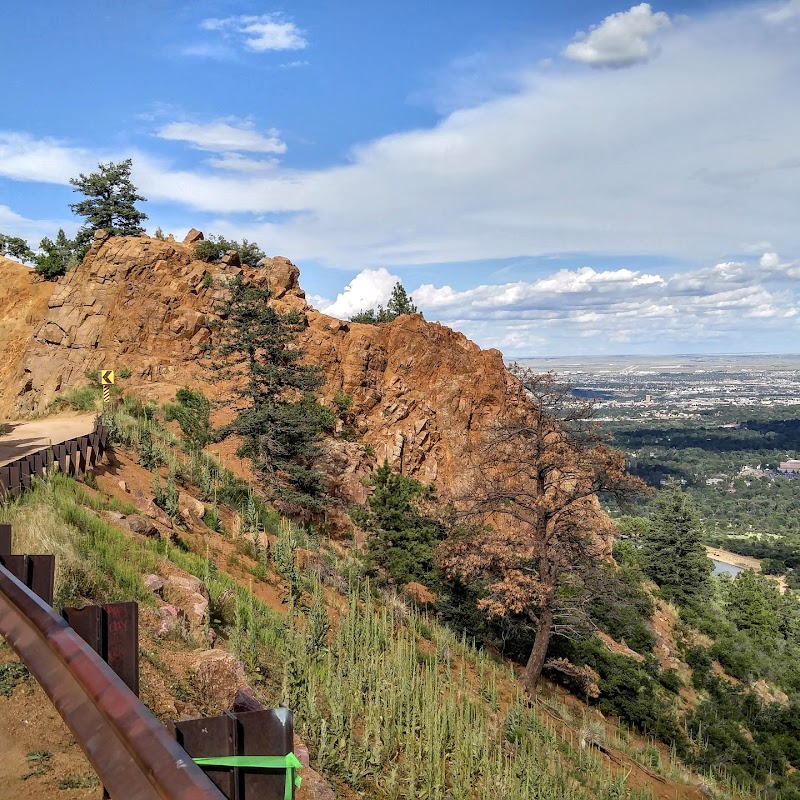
column 420, row 391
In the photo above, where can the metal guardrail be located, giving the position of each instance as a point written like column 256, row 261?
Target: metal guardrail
column 130, row 750
column 72, row 457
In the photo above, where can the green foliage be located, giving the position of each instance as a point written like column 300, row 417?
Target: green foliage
column 405, row 525
column 275, row 413
column 123, row 373
column 400, row 303
column 57, row 257
column 213, row 248
column 191, row 411
column 620, row 607
column 109, row 204
column 10, row 675
column 15, row 247
column 628, row 690
column 672, row 550
column 84, row 398
column 752, row 603
column 212, row 518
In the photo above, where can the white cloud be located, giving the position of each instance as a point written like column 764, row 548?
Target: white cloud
column 221, row 136
column 621, row 39
column 368, row 289
column 32, row 230
column 603, row 306
column 49, row 160
column 260, row 33
column 239, row 163
column 683, row 159
column 783, row 12
column 769, row 260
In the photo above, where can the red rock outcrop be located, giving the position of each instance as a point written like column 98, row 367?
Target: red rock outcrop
column 421, row 392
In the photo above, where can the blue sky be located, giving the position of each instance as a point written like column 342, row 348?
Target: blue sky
column 551, row 178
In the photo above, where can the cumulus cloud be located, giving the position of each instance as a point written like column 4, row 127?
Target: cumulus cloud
column 259, row 33
column 221, row 136
column 621, row 39
column 773, row 267
column 711, row 304
column 368, row 289
column 657, row 161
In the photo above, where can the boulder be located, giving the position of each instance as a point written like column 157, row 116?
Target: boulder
column 150, row 509
column 155, row 583
column 190, row 509
column 193, row 237
column 138, row 524
column 231, row 258
column 189, row 594
column 173, row 620
column 218, row 677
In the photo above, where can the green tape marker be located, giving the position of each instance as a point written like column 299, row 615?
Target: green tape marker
column 289, row 762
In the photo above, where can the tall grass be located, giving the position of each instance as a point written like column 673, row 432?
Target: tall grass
column 383, row 711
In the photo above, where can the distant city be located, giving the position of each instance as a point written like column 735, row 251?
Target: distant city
column 676, row 387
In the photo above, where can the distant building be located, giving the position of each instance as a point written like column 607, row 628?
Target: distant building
column 713, row 481
column 791, row 466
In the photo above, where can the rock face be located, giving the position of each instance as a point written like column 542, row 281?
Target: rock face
column 23, row 304
column 421, row 392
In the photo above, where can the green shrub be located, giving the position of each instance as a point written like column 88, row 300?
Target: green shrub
column 84, row 398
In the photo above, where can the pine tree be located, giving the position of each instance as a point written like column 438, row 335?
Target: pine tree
column 110, row 202
column 15, row 247
column 403, row 519
column 672, row 548
column 752, row 604
column 400, row 302
column 274, row 407
column 532, row 504
column 57, row 257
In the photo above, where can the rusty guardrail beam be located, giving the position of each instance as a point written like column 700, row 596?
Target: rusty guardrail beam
column 130, row 750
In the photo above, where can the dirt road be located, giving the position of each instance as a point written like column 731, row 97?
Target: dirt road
column 27, row 437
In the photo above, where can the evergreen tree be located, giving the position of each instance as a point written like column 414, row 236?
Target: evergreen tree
column 15, row 247
column 110, row 202
column 752, row 604
column 57, row 257
column 672, row 548
column 275, row 411
column 400, row 303
column 404, row 520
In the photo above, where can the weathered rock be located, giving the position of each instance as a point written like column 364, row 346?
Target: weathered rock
column 190, row 508
column 155, row 583
column 138, row 524
column 244, row 701
column 422, row 394
column 190, row 594
column 150, row 509
column 230, row 258
column 124, row 486
column 193, row 237
column 218, row 677
column 173, row 621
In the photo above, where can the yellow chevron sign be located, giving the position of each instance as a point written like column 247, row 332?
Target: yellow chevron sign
column 106, row 377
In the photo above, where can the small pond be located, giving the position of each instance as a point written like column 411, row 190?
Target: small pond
column 722, row 566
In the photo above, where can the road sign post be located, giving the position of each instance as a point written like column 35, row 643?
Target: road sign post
column 106, row 377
